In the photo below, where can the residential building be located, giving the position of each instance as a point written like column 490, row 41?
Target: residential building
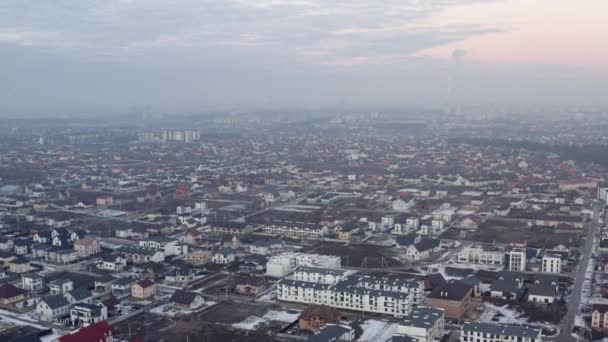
column 32, row 282
column 187, row 300
column 485, row 255
column 97, row 332
column 315, row 317
column 85, row 314
column 490, row 332
column 552, row 263
column 517, row 259
column 425, row 324
column 454, row 297
column 10, row 294
column 143, row 289
column 87, row 247
column 53, row 308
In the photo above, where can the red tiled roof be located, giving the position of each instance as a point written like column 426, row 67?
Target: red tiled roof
column 93, row 333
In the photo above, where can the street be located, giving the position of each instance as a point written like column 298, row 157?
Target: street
column 567, row 323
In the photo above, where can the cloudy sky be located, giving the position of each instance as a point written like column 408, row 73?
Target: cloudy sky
column 79, row 55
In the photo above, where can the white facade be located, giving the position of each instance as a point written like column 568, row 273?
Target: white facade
column 551, row 263
column 295, row 229
column 480, row 255
column 284, row 264
column 425, row 324
column 517, row 260
column 490, row 332
column 341, row 296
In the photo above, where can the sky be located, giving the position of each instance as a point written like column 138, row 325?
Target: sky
column 116, row 55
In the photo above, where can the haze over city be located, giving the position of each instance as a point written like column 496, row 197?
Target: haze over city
column 71, row 57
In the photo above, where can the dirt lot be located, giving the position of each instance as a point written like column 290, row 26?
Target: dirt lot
column 502, row 231
column 145, row 325
column 354, row 255
column 229, row 313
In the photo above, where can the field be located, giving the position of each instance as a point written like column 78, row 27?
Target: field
column 503, row 231
column 371, row 256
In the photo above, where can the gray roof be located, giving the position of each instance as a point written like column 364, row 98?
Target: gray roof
column 423, row 317
column 79, row 293
column 501, row 329
column 56, row 301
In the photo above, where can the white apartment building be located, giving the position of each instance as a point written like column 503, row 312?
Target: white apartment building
column 346, row 294
column 481, row 255
column 490, row 332
column 299, row 229
column 517, row 259
column 284, row 264
column 320, row 275
column 552, row 263
column 425, row 324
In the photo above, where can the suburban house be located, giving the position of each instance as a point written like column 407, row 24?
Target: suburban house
column 224, row 256
column 187, row 300
column 143, row 289
column 86, row 247
column 52, row 308
column 98, row 332
column 599, row 317
column 84, row 314
column 10, row 294
column 315, row 317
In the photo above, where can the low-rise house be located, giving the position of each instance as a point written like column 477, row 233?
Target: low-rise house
column 23, row 247
column 121, row 287
column 97, row 332
column 251, row 287
column 53, row 308
column 333, row 333
column 6, row 244
column 143, row 289
column 79, row 295
column 198, row 257
column 84, row 314
column 423, row 249
column 508, row 285
column 454, row 297
column 112, row 262
column 32, row 282
column 315, row 317
column 265, row 246
column 87, row 247
column 140, row 255
column 599, row 317
column 224, row 256
column 490, row 332
column 10, row 294
column 180, row 276
column 61, row 286
column 19, row 265
column 187, row 300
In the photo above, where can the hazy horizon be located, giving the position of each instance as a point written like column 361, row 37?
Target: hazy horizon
column 116, row 55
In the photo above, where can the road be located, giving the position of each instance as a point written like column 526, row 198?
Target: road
column 567, row 323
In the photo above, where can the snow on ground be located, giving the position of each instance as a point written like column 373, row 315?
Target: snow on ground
column 170, row 311
column 579, row 321
column 252, row 322
column 377, row 331
column 282, row 316
column 504, row 315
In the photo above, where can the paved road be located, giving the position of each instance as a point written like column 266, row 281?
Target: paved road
column 565, row 334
